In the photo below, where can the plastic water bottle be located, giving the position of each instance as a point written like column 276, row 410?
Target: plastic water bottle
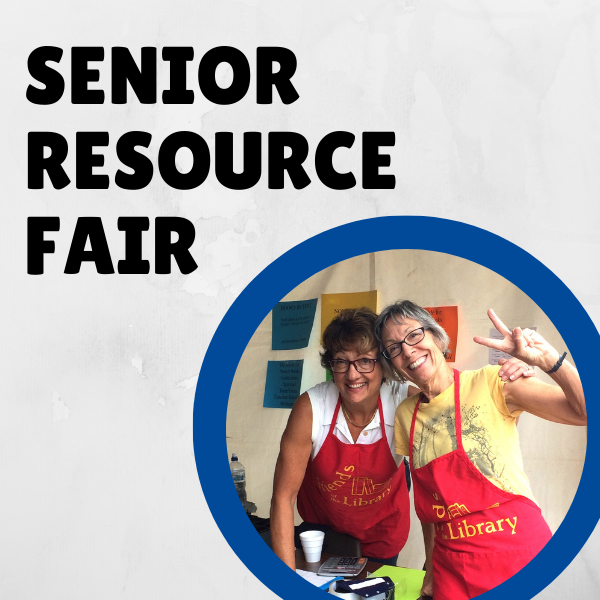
column 238, row 472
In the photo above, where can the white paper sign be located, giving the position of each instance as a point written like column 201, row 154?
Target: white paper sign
column 496, row 355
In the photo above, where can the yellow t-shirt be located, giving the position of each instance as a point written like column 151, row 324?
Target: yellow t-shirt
column 489, row 430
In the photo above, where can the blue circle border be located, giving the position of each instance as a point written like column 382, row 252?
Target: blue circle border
column 318, row 253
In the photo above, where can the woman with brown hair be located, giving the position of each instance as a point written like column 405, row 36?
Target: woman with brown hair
column 337, row 456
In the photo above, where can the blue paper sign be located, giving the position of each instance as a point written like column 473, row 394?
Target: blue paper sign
column 283, row 383
column 292, row 324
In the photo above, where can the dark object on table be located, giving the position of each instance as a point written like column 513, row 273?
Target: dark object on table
column 382, row 588
column 263, row 528
column 261, row 525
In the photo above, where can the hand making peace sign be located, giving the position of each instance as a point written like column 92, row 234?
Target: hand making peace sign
column 524, row 344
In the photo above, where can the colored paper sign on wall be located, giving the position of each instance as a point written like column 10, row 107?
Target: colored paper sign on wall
column 292, row 324
column 447, row 317
column 283, row 383
column 332, row 304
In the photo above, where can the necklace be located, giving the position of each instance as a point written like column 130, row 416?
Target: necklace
column 353, row 423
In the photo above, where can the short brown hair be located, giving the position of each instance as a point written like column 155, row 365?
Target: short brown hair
column 351, row 329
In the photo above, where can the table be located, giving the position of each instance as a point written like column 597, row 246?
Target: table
column 314, row 567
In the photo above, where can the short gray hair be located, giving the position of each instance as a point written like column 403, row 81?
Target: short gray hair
column 398, row 313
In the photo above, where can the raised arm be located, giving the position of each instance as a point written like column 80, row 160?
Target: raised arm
column 562, row 404
column 291, row 464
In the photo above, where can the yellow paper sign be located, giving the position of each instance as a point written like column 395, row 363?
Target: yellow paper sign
column 332, row 304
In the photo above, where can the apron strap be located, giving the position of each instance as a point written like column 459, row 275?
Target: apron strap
column 381, row 421
column 335, row 415
column 457, row 414
column 412, row 432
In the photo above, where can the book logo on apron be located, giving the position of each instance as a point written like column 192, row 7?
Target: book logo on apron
column 359, row 486
column 465, row 529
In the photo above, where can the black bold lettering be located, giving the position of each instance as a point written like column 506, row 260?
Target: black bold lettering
column 86, row 160
column 372, row 160
column 141, row 165
column 164, row 248
column 133, row 263
column 178, row 56
column 89, row 227
column 166, row 160
column 241, row 75
column 37, row 246
column 37, row 164
column 282, row 79
column 55, row 84
column 142, row 80
column 324, row 160
column 81, row 75
column 278, row 164
column 251, row 171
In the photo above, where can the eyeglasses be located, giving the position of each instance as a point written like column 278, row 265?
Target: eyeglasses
column 414, row 337
column 362, row 365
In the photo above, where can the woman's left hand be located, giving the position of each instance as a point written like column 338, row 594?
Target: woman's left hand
column 513, row 369
column 525, row 344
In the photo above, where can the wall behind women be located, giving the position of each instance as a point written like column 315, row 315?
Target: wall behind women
column 553, row 454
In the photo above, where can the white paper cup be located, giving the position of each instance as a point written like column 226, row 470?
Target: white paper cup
column 312, row 544
column 312, row 535
column 312, row 557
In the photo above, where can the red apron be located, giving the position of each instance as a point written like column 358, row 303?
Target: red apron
column 358, row 489
column 483, row 535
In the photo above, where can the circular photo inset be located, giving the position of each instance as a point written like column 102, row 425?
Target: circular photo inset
column 362, row 394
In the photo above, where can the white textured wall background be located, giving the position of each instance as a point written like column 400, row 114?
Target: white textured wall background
column 495, row 108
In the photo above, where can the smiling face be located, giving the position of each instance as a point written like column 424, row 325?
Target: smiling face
column 419, row 363
column 355, row 387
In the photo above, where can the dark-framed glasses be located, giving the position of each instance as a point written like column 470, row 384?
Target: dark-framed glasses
column 413, row 337
column 362, row 365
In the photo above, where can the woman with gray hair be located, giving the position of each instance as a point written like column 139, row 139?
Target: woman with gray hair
column 481, row 523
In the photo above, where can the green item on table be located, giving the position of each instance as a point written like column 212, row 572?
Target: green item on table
column 408, row 581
